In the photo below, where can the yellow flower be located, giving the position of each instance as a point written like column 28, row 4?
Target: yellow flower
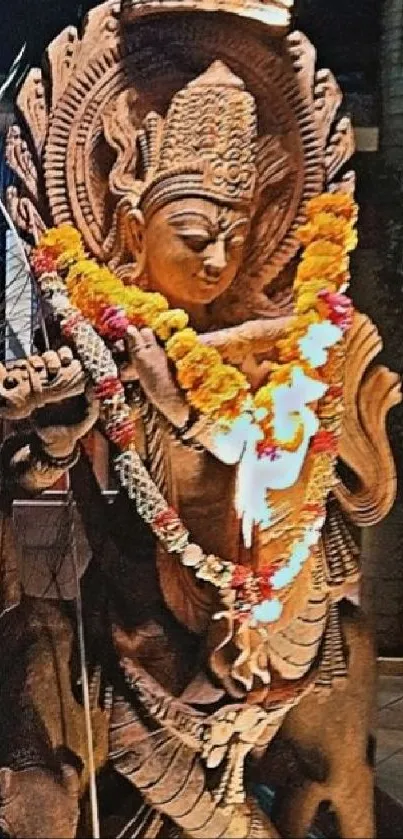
column 323, row 249
column 336, row 229
column 339, row 203
column 230, row 409
column 68, row 257
column 322, row 267
column 306, row 301
column 167, row 322
column 288, row 349
column 62, row 238
column 83, row 269
column 181, row 343
column 284, row 372
column 222, row 384
column 194, row 366
column 308, row 296
column 228, row 381
column 146, row 310
column 263, row 397
column 136, row 297
column 309, row 299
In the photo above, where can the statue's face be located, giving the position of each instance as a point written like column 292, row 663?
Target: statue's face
column 194, row 249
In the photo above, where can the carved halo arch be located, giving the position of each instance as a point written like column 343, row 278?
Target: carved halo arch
column 153, row 56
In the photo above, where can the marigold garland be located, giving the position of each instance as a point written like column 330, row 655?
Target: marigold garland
column 220, row 391
column 213, row 388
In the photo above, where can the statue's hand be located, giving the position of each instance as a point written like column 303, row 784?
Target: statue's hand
column 30, row 383
column 148, row 363
column 56, row 431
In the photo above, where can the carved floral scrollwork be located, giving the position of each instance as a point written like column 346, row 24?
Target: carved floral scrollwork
column 32, row 104
column 25, row 214
column 21, row 161
column 328, row 99
column 62, row 56
column 340, row 149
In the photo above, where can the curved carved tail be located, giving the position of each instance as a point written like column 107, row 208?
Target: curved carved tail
column 364, row 446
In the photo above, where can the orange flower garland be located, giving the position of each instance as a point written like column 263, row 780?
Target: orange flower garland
column 214, row 388
column 307, row 363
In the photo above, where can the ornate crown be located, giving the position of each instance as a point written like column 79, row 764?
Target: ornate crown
column 273, row 13
column 207, row 144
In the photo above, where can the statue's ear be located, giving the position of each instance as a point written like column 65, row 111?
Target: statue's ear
column 135, row 239
column 136, row 230
column 6, row 782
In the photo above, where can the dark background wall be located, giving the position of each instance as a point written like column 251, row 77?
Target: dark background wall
column 345, row 32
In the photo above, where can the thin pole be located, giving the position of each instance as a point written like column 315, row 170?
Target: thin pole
column 84, row 675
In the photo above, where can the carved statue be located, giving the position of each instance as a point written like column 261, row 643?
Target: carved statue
column 187, row 143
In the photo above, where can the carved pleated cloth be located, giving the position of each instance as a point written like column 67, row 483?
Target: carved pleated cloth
column 341, row 550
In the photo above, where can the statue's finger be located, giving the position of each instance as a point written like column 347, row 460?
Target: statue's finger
column 18, row 364
column 135, row 339
column 52, row 362
column 66, row 356
column 149, row 339
column 37, row 372
column 37, row 363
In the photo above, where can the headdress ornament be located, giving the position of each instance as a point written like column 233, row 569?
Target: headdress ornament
column 208, row 143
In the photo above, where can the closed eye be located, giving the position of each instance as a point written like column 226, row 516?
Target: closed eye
column 195, row 243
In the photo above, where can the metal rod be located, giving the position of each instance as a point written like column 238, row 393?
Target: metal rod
column 84, row 676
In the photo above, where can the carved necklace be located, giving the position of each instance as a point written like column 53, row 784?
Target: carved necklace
column 294, row 417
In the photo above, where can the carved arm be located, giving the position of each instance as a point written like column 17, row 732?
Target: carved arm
column 42, row 388
column 254, row 336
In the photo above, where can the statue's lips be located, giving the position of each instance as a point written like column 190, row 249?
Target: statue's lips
column 207, row 288
column 209, row 281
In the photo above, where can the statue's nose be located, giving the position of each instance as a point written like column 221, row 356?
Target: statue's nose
column 215, row 258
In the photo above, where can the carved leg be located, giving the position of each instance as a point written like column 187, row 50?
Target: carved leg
column 297, row 814
column 321, row 752
column 354, row 806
